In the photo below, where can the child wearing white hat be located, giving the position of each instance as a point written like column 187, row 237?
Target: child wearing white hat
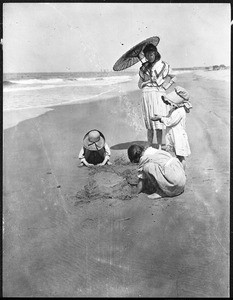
column 175, row 122
column 95, row 150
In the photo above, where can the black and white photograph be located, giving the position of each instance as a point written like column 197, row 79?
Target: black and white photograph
column 116, row 150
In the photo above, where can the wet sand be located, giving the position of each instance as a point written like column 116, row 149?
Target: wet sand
column 78, row 232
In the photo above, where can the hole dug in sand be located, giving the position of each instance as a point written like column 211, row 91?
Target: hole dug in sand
column 103, row 183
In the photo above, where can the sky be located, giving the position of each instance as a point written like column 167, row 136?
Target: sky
column 86, row 37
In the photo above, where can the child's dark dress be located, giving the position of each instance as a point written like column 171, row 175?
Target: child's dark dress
column 94, row 157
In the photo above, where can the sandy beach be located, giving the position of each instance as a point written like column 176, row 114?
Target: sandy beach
column 79, row 232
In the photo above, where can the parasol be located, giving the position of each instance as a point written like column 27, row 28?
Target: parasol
column 134, row 55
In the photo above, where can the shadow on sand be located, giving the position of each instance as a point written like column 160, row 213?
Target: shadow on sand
column 127, row 144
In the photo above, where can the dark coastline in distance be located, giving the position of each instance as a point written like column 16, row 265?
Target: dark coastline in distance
column 209, row 68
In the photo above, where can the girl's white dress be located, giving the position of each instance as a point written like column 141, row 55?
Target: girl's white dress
column 152, row 103
column 176, row 136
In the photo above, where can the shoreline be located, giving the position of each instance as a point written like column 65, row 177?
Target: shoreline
column 12, row 117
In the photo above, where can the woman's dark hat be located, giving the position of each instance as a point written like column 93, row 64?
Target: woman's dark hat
column 149, row 47
column 94, row 140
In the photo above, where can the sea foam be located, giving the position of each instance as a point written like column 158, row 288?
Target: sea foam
column 40, row 84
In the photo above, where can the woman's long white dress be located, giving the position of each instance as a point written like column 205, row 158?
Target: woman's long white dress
column 152, row 103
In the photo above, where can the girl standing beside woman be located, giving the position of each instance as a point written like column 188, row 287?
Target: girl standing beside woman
column 155, row 78
column 175, row 122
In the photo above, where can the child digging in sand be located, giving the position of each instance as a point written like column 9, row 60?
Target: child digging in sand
column 175, row 122
column 159, row 171
column 95, row 150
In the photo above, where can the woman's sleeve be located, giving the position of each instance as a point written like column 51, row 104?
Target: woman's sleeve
column 141, row 78
column 81, row 154
column 107, row 150
column 140, row 81
column 173, row 119
column 171, row 74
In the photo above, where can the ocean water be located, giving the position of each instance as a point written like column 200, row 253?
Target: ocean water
column 32, row 90
column 36, row 90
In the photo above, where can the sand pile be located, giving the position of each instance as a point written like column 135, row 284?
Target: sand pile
column 118, row 182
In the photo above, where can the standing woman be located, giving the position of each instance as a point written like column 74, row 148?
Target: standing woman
column 155, row 78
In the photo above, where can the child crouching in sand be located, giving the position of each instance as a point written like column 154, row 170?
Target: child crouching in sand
column 176, row 136
column 159, row 171
column 95, row 150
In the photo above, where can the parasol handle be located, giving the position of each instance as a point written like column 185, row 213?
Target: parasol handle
column 140, row 59
column 147, row 70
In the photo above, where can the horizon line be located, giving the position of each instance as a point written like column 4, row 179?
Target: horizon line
column 126, row 70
